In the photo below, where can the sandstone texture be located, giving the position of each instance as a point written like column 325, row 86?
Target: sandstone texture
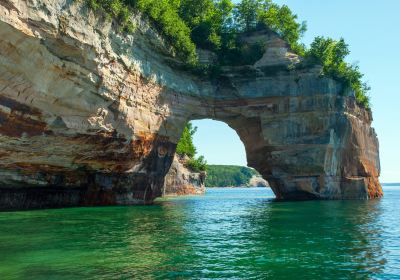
column 258, row 182
column 91, row 116
column 180, row 180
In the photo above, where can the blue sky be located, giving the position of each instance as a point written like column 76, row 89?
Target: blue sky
column 372, row 30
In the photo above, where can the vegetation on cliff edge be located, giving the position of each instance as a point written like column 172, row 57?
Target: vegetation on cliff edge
column 331, row 55
column 186, row 147
column 210, row 24
column 219, row 25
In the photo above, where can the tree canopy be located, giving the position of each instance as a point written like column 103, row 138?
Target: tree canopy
column 218, row 25
column 331, row 55
column 209, row 24
column 186, row 147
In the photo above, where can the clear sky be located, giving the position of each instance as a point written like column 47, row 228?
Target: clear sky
column 372, row 30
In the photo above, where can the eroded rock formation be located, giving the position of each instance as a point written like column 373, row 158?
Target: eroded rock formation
column 90, row 116
column 258, row 182
column 180, row 180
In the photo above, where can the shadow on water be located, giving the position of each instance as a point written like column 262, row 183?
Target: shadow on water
column 260, row 238
column 82, row 243
column 338, row 238
column 225, row 234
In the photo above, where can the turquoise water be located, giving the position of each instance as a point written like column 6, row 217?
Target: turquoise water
column 228, row 233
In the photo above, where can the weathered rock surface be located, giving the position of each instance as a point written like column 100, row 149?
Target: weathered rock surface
column 258, row 182
column 180, row 180
column 89, row 116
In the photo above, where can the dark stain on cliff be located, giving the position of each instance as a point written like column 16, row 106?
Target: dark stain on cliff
column 84, row 186
column 17, row 119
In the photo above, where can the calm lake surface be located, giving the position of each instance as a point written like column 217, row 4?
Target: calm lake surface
column 228, row 233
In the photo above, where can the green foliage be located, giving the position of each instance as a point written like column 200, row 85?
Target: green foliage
column 247, row 14
column 211, row 24
column 206, row 19
column 284, row 22
column 331, row 55
column 114, row 9
column 256, row 14
column 220, row 25
column 197, row 164
column 250, row 15
column 228, row 175
column 165, row 14
column 186, row 147
column 242, row 53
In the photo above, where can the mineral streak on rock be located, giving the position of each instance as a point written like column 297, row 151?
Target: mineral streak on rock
column 90, row 116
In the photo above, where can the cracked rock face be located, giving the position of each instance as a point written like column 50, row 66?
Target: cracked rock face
column 89, row 116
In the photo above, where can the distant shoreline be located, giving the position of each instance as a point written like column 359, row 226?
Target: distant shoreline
column 390, row 184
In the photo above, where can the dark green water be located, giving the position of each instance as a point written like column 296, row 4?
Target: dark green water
column 229, row 233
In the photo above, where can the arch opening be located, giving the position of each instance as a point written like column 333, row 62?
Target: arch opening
column 225, row 154
column 218, row 143
column 219, row 146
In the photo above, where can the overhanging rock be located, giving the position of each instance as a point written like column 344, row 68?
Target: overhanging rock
column 89, row 116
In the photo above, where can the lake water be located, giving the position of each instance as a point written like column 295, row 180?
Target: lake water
column 228, row 233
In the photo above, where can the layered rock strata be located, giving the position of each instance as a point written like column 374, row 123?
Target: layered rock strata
column 180, row 180
column 91, row 116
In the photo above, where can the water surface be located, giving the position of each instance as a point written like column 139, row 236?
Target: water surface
column 228, row 233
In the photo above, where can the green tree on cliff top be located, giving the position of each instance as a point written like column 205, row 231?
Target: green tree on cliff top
column 186, row 147
column 218, row 24
column 331, row 55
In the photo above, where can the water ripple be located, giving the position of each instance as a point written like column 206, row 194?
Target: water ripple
column 229, row 233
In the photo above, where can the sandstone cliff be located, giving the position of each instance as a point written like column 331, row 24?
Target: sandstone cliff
column 90, row 116
column 180, row 180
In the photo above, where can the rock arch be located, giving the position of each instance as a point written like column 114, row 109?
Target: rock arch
column 89, row 116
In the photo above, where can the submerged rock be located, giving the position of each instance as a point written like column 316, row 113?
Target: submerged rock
column 90, row 116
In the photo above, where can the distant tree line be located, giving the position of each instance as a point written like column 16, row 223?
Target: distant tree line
column 218, row 25
column 229, row 176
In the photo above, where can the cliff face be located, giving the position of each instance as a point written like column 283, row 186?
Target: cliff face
column 182, row 181
column 89, row 116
